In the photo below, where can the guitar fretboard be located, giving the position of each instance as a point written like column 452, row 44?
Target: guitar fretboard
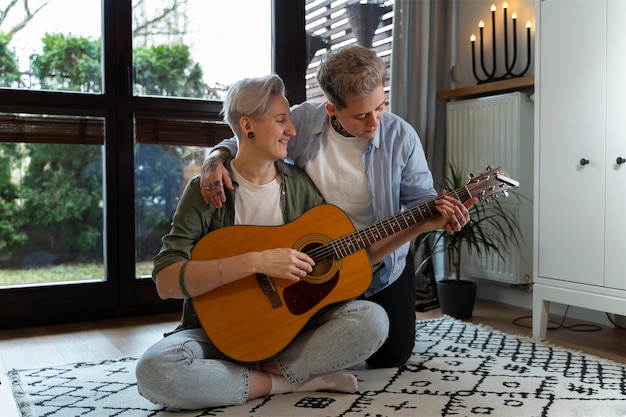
column 363, row 238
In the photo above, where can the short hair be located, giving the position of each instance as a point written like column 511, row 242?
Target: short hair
column 250, row 97
column 350, row 72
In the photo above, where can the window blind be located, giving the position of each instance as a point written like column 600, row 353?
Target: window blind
column 37, row 128
column 180, row 132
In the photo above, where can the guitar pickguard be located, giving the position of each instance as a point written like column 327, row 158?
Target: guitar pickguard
column 303, row 296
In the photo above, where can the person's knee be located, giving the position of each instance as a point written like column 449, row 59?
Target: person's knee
column 395, row 351
column 148, row 367
column 376, row 323
column 382, row 320
column 392, row 354
column 155, row 378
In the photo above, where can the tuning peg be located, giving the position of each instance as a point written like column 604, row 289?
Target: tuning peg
column 489, row 168
column 470, row 176
column 505, row 193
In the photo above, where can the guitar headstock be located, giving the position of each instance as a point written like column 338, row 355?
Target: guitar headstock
column 492, row 183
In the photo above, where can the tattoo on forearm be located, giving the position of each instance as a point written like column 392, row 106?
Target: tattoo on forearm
column 210, row 166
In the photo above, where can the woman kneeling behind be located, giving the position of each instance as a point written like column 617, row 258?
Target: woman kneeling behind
column 184, row 369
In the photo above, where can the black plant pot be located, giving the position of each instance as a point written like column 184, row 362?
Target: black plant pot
column 456, row 298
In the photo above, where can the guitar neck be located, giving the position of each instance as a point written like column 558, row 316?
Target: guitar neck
column 382, row 229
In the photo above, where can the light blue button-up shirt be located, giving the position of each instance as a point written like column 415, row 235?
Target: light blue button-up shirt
column 395, row 166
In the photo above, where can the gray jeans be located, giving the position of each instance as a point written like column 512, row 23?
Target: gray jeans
column 185, row 371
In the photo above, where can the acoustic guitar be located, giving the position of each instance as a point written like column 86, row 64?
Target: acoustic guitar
column 255, row 317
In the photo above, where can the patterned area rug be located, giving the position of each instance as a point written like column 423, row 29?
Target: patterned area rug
column 457, row 369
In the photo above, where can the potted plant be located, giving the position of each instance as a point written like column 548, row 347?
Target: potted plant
column 493, row 229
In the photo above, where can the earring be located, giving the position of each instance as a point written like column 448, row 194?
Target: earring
column 250, row 135
column 333, row 118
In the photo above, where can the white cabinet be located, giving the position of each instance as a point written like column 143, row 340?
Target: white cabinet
column 580, row 133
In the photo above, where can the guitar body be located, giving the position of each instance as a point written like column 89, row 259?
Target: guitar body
column 257, row 316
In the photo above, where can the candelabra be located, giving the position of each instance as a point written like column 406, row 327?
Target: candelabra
column 509, row 65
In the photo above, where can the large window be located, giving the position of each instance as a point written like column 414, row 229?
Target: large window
column 174, row 56
column 178, row 45
column 45, row 47
column 52, row 210
column 196, row 48
column 107, row 108
column 103, row 120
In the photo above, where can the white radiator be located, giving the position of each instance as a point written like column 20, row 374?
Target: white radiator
column 497, row 130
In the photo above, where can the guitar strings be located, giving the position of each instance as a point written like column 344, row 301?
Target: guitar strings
column 363, row 238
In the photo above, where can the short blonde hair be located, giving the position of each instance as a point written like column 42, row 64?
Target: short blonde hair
column 250, row 97
column 350, row 72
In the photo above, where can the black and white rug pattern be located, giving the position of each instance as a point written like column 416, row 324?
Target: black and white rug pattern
column 457, row 369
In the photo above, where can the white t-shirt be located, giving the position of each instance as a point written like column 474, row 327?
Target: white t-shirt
column 339, row 173
column 258, row 204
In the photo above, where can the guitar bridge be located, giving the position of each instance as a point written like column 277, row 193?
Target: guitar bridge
column 268, row 288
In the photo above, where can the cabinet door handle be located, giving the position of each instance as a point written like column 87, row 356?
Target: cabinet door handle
column 620, row 160
column 584, row 161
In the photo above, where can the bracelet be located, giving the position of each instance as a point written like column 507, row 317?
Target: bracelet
column 220, row 275
column 181, row 280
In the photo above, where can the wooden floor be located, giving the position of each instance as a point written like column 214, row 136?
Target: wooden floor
column 63, row 344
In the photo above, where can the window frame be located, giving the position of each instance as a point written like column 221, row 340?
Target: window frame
column 122, row 294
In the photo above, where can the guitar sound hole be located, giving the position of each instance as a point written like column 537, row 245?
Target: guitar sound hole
column 324, row 262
